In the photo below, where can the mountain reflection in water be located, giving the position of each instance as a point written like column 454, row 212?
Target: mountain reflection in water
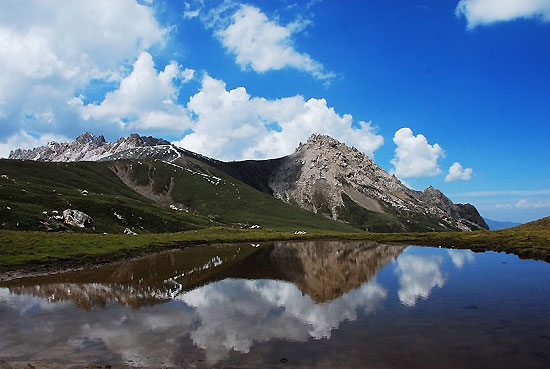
column 230, row 305
column 322, row 270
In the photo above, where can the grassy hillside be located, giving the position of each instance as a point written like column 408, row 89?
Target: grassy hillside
column 30, row 188
column 211, row 193
column 542, row 224
column 206, row 197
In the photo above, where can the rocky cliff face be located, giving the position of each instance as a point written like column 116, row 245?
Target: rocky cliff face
column 322, row 169
column 325, row 176
column 87, row 147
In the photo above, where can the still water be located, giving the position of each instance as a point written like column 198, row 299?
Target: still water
column 322, row 304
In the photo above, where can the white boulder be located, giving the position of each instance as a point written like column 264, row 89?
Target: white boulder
column 130, row 232
column 77, row 218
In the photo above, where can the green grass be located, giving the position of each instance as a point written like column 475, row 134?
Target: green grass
column 35, row 187
column 42, row 251
column 232, row 202
column 35, row 250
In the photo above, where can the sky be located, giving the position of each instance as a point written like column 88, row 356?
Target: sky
column 449, row 93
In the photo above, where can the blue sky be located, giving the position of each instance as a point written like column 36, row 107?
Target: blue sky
column 420, row 85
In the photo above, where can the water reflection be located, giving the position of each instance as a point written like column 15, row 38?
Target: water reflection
column 321, row 270
column 418, row 275
column 461, row 257
column 204, row 306
column 233, row 314
column 237, row 297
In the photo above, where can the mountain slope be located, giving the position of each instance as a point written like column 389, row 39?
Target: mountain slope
column 28, row 189
column 323, row 176
column 539, row 224
column 142, row 195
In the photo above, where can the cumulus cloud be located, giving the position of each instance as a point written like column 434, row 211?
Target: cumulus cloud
column 484, row 12
column 414, row 156
column 258, row 42
column 23, row 140
column 145, row 99
column 456, row 172
column 48, row 51
column 232, row 125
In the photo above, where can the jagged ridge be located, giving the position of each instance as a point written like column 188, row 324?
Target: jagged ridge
column 86, row 147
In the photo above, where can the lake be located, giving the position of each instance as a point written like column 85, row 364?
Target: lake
column 322, row 304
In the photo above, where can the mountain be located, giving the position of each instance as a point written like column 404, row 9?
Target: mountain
column 495, row 224
column 143, row 196
column 86, row 147
column 323, row 176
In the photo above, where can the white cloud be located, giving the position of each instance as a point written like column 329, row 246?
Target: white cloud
column 503, row 206
column 414, row 156
column 483, row 12
column 538, row 204
column 456, row 172
column 145, row 99
column 189, row 13
column 25, row 141
column 48, row 51
column 187, row 74
column 262, row 44
column 232, row 125
column 501, row 193
column 525, row 204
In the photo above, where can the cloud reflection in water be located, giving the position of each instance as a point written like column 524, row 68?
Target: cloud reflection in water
column 418, row 275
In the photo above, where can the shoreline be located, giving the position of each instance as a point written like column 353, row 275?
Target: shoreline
column 532, row 244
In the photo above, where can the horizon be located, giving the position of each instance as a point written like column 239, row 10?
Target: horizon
column 450, row 94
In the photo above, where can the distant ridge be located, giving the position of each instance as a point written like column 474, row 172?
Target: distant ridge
column 86, row 147
column 496, row 225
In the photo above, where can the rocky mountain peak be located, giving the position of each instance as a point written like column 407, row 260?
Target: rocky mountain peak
column 86, row 147
column 327, row 149
column 322, row 172
column 89, row 138
column 328, row 177
column 324, row 140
